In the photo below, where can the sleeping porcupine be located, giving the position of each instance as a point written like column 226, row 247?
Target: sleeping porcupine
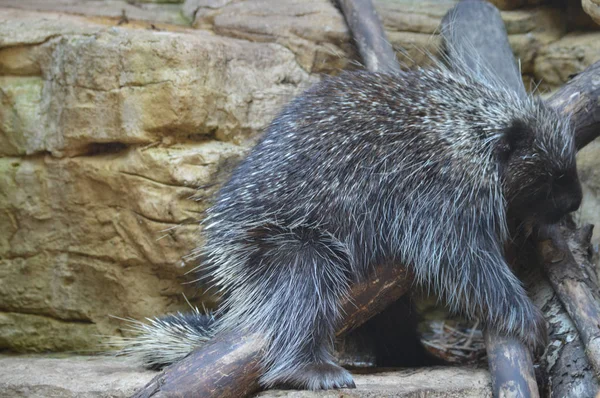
column 421, row 168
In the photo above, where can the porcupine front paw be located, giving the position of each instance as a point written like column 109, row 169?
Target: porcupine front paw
column 318, row 376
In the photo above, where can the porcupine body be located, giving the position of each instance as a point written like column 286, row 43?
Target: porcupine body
column 420, row 168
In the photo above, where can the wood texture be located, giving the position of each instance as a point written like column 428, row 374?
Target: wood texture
column 475, row 40
column 511, row 367
column 564, row 370
column 574, row 282
column 367, row 31
column 580, row 98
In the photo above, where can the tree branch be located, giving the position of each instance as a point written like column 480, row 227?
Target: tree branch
column 573, row 281
column 580, row 98
column 368, row 34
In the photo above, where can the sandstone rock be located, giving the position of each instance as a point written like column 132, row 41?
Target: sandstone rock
column 137, row 87
column 592, row 8
column 20, row 113
column 315, row 30
column 89, row 236
column 570, row 55
column 117, row 9
column 81, row 376
column 133, row 113
column 28, row 332
column 512, row 4
column 438, row 382
column 70, row 377
column 22, row 28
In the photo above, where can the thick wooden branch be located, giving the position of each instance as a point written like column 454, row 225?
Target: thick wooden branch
column 580, row 98
column 576, row 288
column 229, row 365
column 368, row 34
column 511, row 367
column 475, row 40
column 564, row 367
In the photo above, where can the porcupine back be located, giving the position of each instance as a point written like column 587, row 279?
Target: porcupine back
column 348, row 151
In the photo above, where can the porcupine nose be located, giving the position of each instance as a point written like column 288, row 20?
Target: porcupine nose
column 575, row 200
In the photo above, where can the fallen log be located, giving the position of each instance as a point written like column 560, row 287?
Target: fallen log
column 574, row 282
column 580, row 98
column 367, row 31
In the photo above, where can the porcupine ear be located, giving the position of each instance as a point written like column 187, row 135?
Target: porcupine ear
column 516, row 135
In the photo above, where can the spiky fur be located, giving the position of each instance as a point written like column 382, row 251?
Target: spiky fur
column 161, row 341
column 419, row 169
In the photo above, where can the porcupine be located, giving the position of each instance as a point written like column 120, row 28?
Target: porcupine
column 421, row 168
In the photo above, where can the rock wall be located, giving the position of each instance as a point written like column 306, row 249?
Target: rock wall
column 116, row 115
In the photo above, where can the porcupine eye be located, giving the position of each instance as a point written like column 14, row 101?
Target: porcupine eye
column 513, row 138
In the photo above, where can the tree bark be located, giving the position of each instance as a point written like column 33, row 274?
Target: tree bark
column 475, row 41
column 580, row 98
column 574, row 281
column 511, row 367
column 566, row 371
column 368, row 34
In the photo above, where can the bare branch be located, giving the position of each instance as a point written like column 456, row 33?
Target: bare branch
column 374, row 48
column 580, row 98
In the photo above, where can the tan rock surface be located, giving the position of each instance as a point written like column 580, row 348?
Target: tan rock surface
column 81, row 376
column 118, row 129
column 315, row 30
column 70, row 377
column 89, row 236
column 110, row 85
column 424, row 382
column 592, row 8
column 568, row 56
column 161, row 11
